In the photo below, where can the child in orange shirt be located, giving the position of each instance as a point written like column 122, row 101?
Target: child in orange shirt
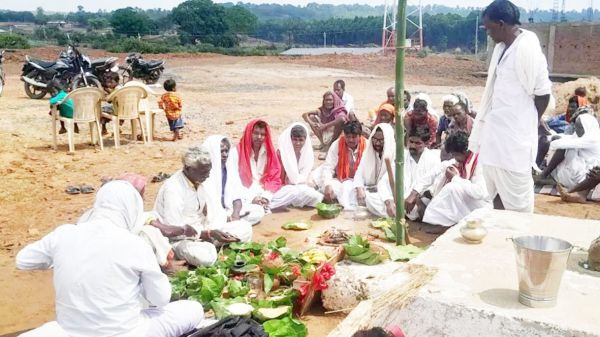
column 170, row 102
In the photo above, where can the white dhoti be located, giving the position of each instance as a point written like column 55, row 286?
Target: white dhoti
column 514, row 188
column 195, row 252
column 450, row 205
column 241, row 229
column 296, row 196
column 345, row 193
column 250, row 212
column 573, row 169
column 172, row 320
column 376, row 204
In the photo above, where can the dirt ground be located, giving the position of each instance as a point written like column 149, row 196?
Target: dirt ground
column 221, row 94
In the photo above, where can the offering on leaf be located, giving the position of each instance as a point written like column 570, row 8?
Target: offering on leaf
column 297, row 225
column 328, row 211
column 334, row 237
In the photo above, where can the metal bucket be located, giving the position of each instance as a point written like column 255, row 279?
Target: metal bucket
column 541, row 261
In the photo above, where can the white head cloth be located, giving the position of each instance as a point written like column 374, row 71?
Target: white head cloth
column 296, row 170
column 120, row 204
column 233, row 187
column 371, row 173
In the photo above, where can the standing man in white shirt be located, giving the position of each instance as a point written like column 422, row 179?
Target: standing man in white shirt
column 339, row 87
column 517, row 93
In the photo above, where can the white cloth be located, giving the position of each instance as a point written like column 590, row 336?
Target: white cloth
column 102, row 271
column 372, row 171
column 413, row 170
column 348, row 102
column 258, row 168
column 297, row 170
column 178, row 203
column 299, row 191
column 514, row 188
column 423, row 96
column 455, row 199
column 581, row 155
column 160, row 244
column 234, row 190
column 505, row 130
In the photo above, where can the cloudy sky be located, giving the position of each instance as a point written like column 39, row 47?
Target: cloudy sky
column 94, row 5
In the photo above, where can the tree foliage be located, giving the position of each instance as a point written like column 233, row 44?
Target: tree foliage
column 131, row 22
column 202, row 21
column 240, row 20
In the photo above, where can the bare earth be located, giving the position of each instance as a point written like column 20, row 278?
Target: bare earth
column 215, row 89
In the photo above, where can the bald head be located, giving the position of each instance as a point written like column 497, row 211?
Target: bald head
column 391, row 95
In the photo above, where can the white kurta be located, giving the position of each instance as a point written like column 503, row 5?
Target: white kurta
column 258, row 168
column 454, row 200
column 372, row 172
column 102, row 271
column 324, row 176
column 298, row 190
column 234, row 190
column 348, row 102
column 413, row 171
column 178, row 203
column 581, row 155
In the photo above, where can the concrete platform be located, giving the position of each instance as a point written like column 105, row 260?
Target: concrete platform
column 331, row 51
column 475, row 291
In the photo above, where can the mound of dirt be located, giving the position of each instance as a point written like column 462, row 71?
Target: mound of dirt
column 564, row 91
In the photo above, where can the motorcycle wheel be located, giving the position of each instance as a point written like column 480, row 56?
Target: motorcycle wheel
column 153, row 77
column 92, row 82
column 125, row 74
column 33, row 91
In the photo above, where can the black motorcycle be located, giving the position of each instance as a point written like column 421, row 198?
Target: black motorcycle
column 137, row 67
column 72, row 69
column 101, row 68
column 1, row 72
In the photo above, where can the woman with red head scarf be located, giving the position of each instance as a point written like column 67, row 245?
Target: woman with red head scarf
column 258, row 164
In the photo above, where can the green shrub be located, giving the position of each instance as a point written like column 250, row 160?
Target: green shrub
column 422, row 53
column 13, row 41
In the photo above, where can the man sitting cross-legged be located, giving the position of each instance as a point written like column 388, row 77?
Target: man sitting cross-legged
column 335, row 178
column 224, row 180
column 457, row 186
column 326, row 122
column 371, row 179
column 257, row 163
column 190, row 215
column 419, row 162
column 297, row 159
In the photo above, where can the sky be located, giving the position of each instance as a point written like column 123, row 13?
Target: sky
column 95, row 5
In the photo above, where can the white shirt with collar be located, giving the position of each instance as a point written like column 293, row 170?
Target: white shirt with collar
column 178, row 202
column 348, row 102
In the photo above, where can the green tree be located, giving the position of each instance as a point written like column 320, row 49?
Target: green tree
column 240, row 20
column 40, row 17
column 131, row 22
column 98, row 23
column 202, row 21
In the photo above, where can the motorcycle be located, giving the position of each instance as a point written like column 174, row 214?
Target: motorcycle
column 137, row 67
column 101, row 68
column 72, row 70
column 1, row 72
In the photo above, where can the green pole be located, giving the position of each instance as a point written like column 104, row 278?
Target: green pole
column 400, row 49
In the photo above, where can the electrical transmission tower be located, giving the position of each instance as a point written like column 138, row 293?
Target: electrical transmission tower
column 555, row 11
column 591, row 11
column 563, row 16
column 388, row 40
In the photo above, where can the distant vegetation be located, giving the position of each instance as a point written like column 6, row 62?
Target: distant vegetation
column 201, row 25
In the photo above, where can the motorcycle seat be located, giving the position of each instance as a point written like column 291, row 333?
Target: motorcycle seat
column 99, row 62
column 44, row 64
column 152, row 63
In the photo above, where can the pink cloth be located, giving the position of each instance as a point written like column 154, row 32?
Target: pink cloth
column 138, row 181
column 338, row 111
column 395, row 331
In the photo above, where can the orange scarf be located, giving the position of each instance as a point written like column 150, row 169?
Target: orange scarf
column 343, row 167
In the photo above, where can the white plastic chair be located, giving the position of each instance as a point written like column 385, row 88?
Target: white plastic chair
column 86, row 109
column 126, row 101
column 145, row 110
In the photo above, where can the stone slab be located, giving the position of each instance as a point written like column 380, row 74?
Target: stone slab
column 475, row 291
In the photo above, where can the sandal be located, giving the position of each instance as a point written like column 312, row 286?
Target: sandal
column 72, row 190
column 87, row 189
column 160, row 177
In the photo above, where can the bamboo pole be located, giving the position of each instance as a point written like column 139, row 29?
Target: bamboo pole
column 401, row 230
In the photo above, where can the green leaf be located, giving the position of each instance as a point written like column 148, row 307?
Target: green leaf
column 354, row 249
column 236, row 288
column 285, row 327
column 404, row 252
column 280, row 242
column 389, row 234
column 268, row 283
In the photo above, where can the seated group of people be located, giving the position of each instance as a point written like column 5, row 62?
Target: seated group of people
column 569, row 151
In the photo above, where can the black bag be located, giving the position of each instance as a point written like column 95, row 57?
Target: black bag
column 232, row 326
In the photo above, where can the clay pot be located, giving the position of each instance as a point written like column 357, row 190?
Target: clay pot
column 594, row 255
column 473, row 231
